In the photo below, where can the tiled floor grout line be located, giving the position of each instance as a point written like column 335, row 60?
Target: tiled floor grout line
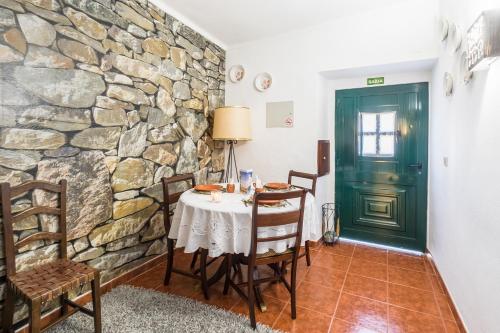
column 391, row 304
column 420, row 312
column 341, row 291
column 388, row 281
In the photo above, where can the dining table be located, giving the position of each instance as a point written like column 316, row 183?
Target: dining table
column 224, row 226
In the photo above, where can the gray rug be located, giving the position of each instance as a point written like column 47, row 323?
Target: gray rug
column 128, row 309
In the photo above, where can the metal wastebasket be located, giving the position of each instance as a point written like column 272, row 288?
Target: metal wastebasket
column 330, row 223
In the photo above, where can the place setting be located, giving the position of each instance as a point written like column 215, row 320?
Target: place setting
column 247, row 188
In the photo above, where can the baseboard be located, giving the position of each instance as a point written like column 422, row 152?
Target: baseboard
column 105, row 288
column 457, row 316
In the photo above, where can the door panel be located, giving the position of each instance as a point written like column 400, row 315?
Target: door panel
column 380, row 140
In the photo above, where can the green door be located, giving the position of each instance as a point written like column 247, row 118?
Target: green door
column 381, row 164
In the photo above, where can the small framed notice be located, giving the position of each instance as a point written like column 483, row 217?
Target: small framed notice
column 279, row 114
column 372, row 81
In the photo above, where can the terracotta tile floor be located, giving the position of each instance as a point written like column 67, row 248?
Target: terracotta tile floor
column 348, row 288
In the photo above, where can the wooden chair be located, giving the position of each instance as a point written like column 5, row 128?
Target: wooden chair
column 49, row 281
column 313, row 178
column 169, row 199
column 271, row 258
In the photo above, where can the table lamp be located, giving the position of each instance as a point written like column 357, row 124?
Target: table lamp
column 232, row 124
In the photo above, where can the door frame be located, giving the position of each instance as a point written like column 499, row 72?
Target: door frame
column 422, row 183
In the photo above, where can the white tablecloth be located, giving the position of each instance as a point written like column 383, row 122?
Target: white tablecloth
column 225, row 227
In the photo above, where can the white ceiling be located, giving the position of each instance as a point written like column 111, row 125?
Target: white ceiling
column 231, row 22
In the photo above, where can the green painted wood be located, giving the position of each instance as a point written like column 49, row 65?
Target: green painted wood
column 382, row 198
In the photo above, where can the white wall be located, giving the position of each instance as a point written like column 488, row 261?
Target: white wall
column 464, row 205
column 301, row 63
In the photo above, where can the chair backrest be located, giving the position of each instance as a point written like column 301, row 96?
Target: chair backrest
column 310, row 176
column 277, row 219
column 171, row 198
column 9, row 219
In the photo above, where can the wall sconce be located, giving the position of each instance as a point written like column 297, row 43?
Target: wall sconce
column 483, row 40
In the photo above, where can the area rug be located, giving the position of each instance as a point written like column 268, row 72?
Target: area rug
column 129, row 309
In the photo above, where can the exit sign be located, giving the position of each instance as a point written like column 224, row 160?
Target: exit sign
column 375, row 80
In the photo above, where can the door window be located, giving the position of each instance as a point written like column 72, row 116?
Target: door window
column 376, row 134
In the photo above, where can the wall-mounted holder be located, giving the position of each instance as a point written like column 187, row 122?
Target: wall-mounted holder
column 483, row 40
column 323, row 157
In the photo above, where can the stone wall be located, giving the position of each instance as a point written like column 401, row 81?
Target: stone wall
column 112, row 96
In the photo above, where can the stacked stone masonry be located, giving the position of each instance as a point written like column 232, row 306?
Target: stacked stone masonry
column 112, row 96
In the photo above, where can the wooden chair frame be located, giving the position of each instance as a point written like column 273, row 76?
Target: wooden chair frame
column 35, row 303
column 313, row 178
column 273, row 260
column 199, row 273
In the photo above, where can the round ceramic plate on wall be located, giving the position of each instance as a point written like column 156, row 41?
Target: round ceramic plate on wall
column 443, row 28
column 236, row 73
column 448, row 84
column 456, row 36
column 263, row 81
column 464, row 68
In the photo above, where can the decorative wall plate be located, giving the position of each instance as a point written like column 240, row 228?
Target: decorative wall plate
column 448, row 84
column 236, row 73
column 443, row 28
column 464, row 68
column 456, row 36
column 263, row 81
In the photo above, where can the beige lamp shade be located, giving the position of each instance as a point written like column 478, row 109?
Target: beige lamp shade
column 232, row 123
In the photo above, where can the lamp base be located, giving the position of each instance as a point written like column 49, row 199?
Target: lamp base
column 231, row 160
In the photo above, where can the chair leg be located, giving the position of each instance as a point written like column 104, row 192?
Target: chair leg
column 96, row 302
column 251, row 297
column 229, row 267
column 8, row 310
column 203, row 272
column 35, row 312
column 64, row 305
column 170, row 261
column 308, row 255
column 293, row 285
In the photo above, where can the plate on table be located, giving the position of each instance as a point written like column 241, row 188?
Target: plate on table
column 208, row 188
column 270, row 202
column 265, row 203
column 277, row 186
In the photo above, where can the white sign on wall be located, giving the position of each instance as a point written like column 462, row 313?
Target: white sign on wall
column 279, row 114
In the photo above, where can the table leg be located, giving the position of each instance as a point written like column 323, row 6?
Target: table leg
column 219, row 274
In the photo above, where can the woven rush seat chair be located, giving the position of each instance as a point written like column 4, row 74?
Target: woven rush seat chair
column 312, row 189
column 169, row 199
column 270, row 258
column 49, row 281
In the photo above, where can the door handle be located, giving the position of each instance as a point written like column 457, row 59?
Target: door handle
column 418, row 166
